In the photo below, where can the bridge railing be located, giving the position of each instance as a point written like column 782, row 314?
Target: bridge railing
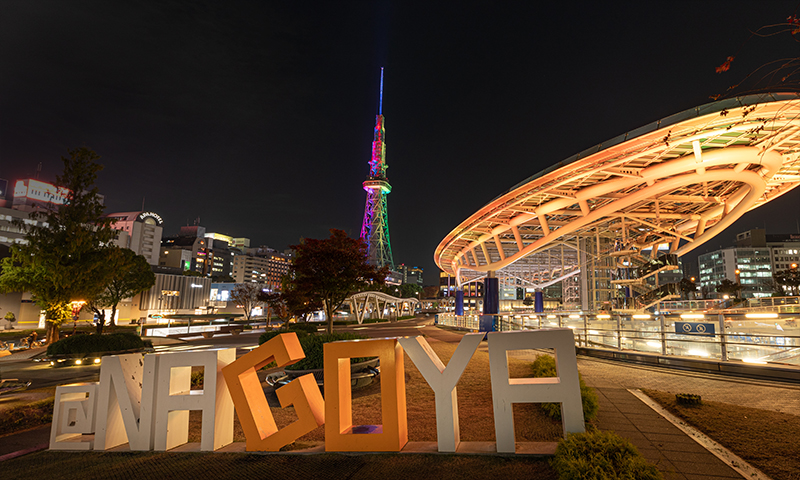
column 756, row 337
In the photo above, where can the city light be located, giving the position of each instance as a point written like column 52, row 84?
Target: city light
column 761, row 315
column 754, row 360
column 698, row 353
column 692, row 315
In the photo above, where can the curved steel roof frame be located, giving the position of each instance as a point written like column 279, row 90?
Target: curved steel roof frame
column 680, row 181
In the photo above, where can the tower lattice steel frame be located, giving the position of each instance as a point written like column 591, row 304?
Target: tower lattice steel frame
column 375, row 228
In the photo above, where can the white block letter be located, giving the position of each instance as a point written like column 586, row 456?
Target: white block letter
column 174, row 399
column 73, row 415
column 125, row 411
column 564, row 389
column 443, row 382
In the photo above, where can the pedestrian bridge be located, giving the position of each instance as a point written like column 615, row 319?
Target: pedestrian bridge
column 363, row 303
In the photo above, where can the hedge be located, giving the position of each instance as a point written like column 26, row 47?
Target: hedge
column 114, row 342
column 312, row 346
column 309, row 328
column 600, row 455
column 545, row 366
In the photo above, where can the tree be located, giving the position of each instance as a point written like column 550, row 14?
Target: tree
column 63, row 259
column 246, row 296
column 729, row 287
column 130, row 275
column 780, row 73
column 410, row 290
column 330, row 270
column 528, row 301
column 430, row 291
column 299, row 303
column 789, row 278
column 687, row 286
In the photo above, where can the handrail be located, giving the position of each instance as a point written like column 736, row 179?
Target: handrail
column 765, row 337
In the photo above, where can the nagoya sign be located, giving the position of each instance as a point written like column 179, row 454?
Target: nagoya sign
column 144, row 401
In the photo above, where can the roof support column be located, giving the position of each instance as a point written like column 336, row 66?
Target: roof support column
column 491, row 294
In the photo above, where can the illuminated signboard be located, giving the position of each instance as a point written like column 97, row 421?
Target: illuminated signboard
column 151, row 218
column 41, row 191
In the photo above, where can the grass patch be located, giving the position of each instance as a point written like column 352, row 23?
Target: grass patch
column 545, row 366
column 23, row 417
column 601, row 455
column 765, row 439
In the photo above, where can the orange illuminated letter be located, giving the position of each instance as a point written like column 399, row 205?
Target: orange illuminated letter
column 340, row 434
column 251, row 405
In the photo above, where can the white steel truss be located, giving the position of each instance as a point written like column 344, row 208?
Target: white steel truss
column 678, row 182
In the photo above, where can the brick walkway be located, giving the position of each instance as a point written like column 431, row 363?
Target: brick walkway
column 674, row 453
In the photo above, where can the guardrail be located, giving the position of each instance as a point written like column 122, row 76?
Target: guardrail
column 757, row 337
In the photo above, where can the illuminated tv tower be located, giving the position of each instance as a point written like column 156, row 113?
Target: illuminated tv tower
column 375, row 228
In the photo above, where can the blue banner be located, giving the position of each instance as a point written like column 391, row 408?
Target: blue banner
column 695, row 328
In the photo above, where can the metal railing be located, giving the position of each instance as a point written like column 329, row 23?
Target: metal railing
column 757, row 337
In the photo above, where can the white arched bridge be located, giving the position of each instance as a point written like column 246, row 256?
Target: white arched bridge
column 361, row 302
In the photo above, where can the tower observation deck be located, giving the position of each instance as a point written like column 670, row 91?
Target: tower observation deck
column 375, row 228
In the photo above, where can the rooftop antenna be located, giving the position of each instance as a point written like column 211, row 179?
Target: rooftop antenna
column 143, row 203
column 39, row 166
column 380, row 101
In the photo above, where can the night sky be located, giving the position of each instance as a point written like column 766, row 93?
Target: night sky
column 257, row 116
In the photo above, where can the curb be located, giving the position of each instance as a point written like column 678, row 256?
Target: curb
column 20, row 453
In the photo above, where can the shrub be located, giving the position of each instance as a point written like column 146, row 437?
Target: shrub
column 266, row 336
column 114, row 342
column 312, row 346
column 301, row 332
column 197, row 380
column 600, row 455
column 308, row 328
column 688, row 399
column 545, row 366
